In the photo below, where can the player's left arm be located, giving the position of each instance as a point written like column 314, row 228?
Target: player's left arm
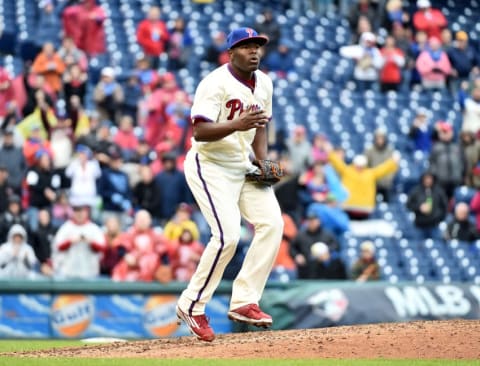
column 259, row 144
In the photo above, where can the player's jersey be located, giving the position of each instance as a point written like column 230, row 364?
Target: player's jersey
column 220, row 97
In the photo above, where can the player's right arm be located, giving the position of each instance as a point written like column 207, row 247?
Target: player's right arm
column 203, row 130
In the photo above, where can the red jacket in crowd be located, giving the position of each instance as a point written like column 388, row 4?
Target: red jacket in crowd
column 84, row 23
column 431, row 21
column 152, row 36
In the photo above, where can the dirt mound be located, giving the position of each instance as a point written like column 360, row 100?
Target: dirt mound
column 456, row 339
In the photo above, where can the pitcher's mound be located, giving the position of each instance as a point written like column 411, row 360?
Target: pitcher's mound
column 454, row 339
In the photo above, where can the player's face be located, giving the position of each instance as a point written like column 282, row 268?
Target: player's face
column 246, row 57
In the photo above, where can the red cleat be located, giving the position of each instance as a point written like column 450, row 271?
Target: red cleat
column 198, row 325
column 251, row 314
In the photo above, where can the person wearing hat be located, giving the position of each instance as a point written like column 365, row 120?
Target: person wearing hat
column 83, row 172
column 230, row 112
column 17, row 258
column 361, row 181
column 34, row 143
column 368, row 60
column 12, row 215
column 108, row 95
column 11, row 157
column 325, row 265
column 366, row 267
column 377, row 154
column 428, row 201
column 421, row 132
column 42, row 185
column 78, row 245
column 429, row 19
column 311, row 232
column 447, row 158
column 114, row 188
column 180, row 221
column 463, row 58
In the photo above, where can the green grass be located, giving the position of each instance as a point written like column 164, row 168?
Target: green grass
column 4, row 361
column 26, row 345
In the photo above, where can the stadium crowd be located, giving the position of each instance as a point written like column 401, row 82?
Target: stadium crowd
column 100, row 192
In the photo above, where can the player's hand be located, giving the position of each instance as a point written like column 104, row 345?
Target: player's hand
column 251, row 119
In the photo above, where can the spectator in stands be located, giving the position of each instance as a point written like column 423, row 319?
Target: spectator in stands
column 146, row 251
column 143, row 154
column 133, row 94
column 284, row 263
column 7, row 93
column 178, row 191
column 71, row 55
column 463, row 58
column 470, row 147
column 148, row 77
column 42, row 185
column 178, row 114
column 366, row 267
column 125, row 137
column 48, row 24
column 34, row 85
column 433, row 65
column 446, row 159
column 394, row 15
column 281, row 60
column 185, row 255
column 61, row 209
column 11, row 157
column 300, row 249
column 181, row 220
column 5, row 189
column 419, row 45
column 13, row 215
column 368, row 60
column 322, row 193
column 460, row 227
column 34, row 143
column 324, row 265
column 114, row 189
column 17, row 259
column 428, row 202
column 377, row 154
column 153, row 36
column 50, row 65
column 114, row 251
column 360, row 182
column 42, row 240
column 78, row 246
column 475, row 209
column 84, row 24
column 180, row 45
column 267, row 25
column 103, row 144
column 428, row 19
column 216, row 52
column 446, row 39
column 108, row 95
column 362, row 8
column 83, row 172
column 394, row 61
column 299, row 148
column 74, row 84
column 471, row 112
column 147, row 193
column 420, row 132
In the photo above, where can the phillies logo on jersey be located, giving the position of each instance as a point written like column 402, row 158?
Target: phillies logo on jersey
column 236, row 105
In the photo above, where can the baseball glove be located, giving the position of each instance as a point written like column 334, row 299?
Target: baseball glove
column 268, row 172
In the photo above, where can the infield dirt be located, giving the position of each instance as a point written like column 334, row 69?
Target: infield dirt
column 453, row 339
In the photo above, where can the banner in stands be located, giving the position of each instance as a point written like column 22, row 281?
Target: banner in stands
column 314, row 305
column 84, row 316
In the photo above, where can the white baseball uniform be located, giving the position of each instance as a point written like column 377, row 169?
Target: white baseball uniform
column 215, row 173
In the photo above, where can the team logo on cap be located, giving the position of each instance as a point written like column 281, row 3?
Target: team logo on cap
column 72, row 314
column 250, row 32
column 159, row 315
